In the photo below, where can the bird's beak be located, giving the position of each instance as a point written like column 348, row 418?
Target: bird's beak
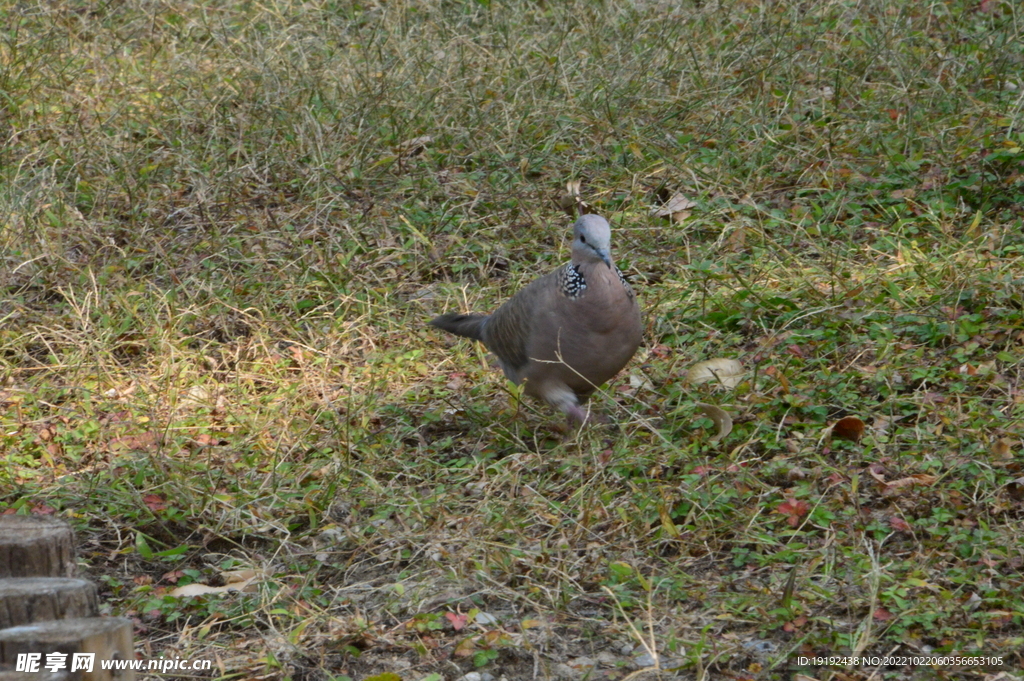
column 604, row 256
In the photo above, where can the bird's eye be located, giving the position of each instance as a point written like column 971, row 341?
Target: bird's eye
column 583, row 239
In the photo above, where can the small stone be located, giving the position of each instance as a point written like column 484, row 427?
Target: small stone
column 607, row 658
column 472, row 676
column 645, row 660
column 564, row 672
column 486, row 618
column 583, row 664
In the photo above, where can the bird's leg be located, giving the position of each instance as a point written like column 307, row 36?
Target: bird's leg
column 577, row 416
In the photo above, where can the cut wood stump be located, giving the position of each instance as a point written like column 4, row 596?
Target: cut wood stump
column 36, row 546
column 107, row 638
column 24, row 600
column 11, row 675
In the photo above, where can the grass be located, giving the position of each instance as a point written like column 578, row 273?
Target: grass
column 221, row 235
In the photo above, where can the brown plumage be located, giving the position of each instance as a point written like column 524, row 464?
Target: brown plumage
column 567, row 332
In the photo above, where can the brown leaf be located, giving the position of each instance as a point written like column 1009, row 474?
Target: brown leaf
column 465, row 648
column 883, row 615
column 736, row 240
column 154, row 502
column 414, row 146
column 849, row 428
column 795, row 624
column 571, row 201
column 721, row 418
column 796, row 351
column 899, row 524
column 207, row 440
column 678, row 207
column 918, row 479
column 135, row 442
column 1001, row 448
column 173, row 576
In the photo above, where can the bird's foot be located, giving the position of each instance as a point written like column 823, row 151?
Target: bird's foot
column 578, row 416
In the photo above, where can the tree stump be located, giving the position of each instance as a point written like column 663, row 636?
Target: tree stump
column 24, row 600
column 35, row 546
column 11, row 675
column 107, row 638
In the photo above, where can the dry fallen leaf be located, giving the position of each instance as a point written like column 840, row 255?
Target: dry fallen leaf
column 571, row 201
column 236, row 580
column 142, row 441
column 849, row 428
column 918, row 479
column 890, row 488
column 899, row 524
column 677, row 207
column 237, row 576
column 1002, row 449
column 723, row 371
column 414, row 146
column 721, row 418
column 637, row 381
column 196, row 396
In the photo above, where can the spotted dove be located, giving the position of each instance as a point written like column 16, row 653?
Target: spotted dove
column 567, row 332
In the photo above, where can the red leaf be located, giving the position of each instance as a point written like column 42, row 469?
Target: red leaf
column 155, row 502
column 173, row 576
column 660, row 351
column 458, row 620
column 795, row 509
column 899, row 524
column 883, row 615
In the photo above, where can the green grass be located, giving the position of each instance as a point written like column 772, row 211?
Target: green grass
column 219, row 251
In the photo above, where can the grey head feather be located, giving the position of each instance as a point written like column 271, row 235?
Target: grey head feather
column 592, row 240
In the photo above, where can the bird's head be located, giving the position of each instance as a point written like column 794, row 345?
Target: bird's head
column 592, row 240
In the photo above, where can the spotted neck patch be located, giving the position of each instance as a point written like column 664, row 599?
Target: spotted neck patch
column 625, row 284
column 571, row 281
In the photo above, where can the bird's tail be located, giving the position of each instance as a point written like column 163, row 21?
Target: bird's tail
column 465, row 325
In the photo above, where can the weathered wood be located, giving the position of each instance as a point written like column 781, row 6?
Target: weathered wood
column 24, row 600
column 109, row 638
column 11, row 675
column 36, row 546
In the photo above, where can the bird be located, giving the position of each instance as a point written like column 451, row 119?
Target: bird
column 567, row 332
